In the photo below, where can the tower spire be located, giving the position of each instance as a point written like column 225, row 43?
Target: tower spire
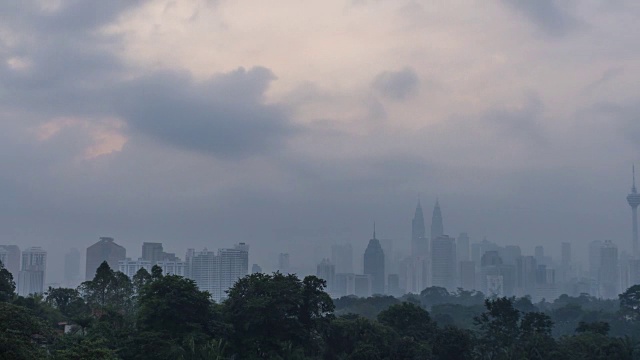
column 633, row 174
column 374, row 229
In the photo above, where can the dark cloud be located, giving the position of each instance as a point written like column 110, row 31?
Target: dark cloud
column 548, row 15
column 522, row 123
column 224, row 116
column 397, row 85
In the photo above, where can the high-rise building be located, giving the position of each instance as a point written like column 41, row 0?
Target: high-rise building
column 437, row 227
column 462, row 247
column 393, row 285
column 283, row 263
column 173, row 267
column 363, row 285
column 634, row 200
column 72, row 268
column 539, row 254
column 256, row 269
column 565, row 254
column 216, row 273
column 131, row 267
column 609, row 270
column 104, row 250
column 31, row 277
column 526, row 276
column 10, row 257
column 327, row 271
column 443, row 262
column 342, row 258
column 374, row 264
column 152, row 251
column 468, row 275
column 594, row 258
column 387, row 249
column 419, row 243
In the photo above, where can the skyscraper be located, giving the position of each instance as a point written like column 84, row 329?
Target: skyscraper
column 462, row 247
column 374, row 264
column 284, row 265
column 437, row 228
column 443, row 262
column 634, row 200
column 609, row 271
column 152, row 251
column 72, row 268
column 419, row 244
column 327, row 271
column 342, row 258
column 31, row 276
column 10, row 257
column 104, row 250
column 216, row 273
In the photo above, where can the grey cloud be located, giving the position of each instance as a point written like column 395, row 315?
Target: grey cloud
column 523, row 123
column 547, row 15
column 397, row 85
column 224, row 116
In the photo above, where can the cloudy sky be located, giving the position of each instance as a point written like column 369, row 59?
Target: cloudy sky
column 292, row 125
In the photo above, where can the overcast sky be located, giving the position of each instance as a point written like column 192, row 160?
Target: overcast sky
column 292, row 125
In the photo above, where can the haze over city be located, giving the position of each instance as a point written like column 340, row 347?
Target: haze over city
column 209, row 123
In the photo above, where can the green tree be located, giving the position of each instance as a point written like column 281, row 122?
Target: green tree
column 498, row 329
column 409, row 320
column 67, row 301
column 7, row 285
column 452, row 343
column 630, row 303
column 598, row 327
column 80, row 348
column 22, row 334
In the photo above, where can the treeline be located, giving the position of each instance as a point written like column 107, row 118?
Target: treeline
column 156, row 316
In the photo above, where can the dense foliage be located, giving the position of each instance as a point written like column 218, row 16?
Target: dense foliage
column 277, row 316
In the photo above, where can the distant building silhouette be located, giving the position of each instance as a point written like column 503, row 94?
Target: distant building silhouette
column 72, row 268
column 342, row 258
column 443, row 262
column 374, row 264
column 462, row 247
column 31, row 277
column 609, row 270
column 327, row 271
column 437, row 227
column 468, row 275
column 216, row 273
column 152, row 251
column 419, row 243
column 633, row 199
column 284, row 265
column 256, row 269
column 10, row 257
column 104, row 250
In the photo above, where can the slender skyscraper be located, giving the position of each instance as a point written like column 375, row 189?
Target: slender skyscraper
column 634, row 200
column 419, row 244
column 437, row 229
column 374, row 264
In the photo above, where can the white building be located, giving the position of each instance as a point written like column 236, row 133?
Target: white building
column 131, row 267
column 216, row 273
column 31, row 276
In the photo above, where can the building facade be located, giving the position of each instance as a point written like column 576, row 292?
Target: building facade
column 104, row 250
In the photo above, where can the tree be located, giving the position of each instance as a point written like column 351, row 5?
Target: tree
column 73, row 347
column 598, row 327
column 498, row 328
column 140, row 279
column 269, row 314
column 452, row 343
column 22, row 334
column 67, row 301
column 360, row 338
column 7, row 285
column 409, row 320
column 630, row 303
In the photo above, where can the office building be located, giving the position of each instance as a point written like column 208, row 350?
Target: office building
column 437, row 226
column 283, row 263
column 609, row 271
column 72, row 276
column 10, row 257
column 131, row 267
column 31, row 278
column 419, row 242
column 374, row 265
column 393, row 285
column 468, row 275
column 462, row 247
column 363, row 285
column 327, row 271
column 152, row 251
column 443, row 262
column 217, row 272
column 104, row 250
column 342, row 258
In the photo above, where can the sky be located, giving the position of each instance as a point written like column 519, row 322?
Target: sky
column 293, row 125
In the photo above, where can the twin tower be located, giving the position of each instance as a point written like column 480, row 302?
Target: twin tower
column 419, row 241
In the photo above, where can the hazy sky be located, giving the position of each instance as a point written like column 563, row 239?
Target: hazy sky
column 292, row 125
